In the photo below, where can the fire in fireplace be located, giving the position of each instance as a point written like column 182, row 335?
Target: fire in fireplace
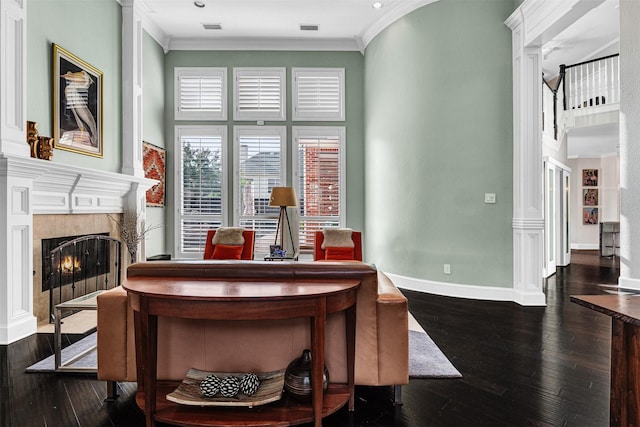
column 69, row 264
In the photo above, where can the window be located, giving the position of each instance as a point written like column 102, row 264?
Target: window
column 259, row 94
column 319, row 178
column 318, row 94
column 260, row 165
column 200, row 187
column 201, row 93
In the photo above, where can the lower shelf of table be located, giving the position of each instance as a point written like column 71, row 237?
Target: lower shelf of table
column 285, row 412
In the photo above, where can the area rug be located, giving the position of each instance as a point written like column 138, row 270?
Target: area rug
column 87, row 361
column 426, row 360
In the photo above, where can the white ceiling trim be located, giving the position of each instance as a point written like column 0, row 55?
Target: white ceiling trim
column 155, row 32
column 265, row 43
column 401, row 9
column 357, row 43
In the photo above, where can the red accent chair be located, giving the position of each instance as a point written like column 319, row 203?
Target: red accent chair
column 247, row 250
column 319, row 254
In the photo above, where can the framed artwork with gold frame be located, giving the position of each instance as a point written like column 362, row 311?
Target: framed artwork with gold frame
column 77, row 104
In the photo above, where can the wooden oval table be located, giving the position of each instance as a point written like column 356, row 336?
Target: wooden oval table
column 191, row 298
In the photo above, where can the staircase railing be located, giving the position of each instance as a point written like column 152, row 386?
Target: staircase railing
column 586, row 84
column 591, row 83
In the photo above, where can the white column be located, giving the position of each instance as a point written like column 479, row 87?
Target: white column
column 13, row 73
column 132, row 110
column 629, row 148
column 16, row 216
column 16, row 251
column 131, row 89
column 528, row 213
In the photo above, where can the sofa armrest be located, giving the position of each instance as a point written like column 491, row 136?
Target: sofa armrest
column 114, row 336
column 393, row 333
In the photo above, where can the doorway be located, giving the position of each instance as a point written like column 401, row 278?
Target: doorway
column 557, row 247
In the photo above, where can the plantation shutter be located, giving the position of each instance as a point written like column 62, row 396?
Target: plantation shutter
column 259, row 94
column 201, row 188
column 261, row 167
column 319, row 180
column 318, row 94
column 201, row 93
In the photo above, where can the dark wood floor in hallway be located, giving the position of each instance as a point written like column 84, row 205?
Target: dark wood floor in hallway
column 521, row 366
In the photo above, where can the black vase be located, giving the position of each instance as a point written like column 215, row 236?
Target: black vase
column 297, row 377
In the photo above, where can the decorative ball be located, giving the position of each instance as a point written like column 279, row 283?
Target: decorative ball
column 210, row 385
column 230, row 386
column 249, row 384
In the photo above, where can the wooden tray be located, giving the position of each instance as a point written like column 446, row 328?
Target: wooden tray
column 188, row 392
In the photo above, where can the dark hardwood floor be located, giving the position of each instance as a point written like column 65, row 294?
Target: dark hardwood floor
column 521, row 366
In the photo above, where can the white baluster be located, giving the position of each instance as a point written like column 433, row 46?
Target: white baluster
column 617, row 91
column 582, row 84
column 607, row 83
column 574, row 88
column 592, row 86
column 598, row 90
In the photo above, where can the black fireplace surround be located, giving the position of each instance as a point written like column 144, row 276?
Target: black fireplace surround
column 73, row 266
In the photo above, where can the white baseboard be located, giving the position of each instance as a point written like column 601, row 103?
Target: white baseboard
column 26, row 326
column 628, row 283
column 585, row 246
column 490, row 293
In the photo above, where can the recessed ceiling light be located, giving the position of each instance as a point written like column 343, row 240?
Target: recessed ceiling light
column 377, row 5
column 308, row 27
column 212, row 26
column 199, row 4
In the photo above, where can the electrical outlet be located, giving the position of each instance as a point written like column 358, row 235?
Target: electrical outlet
column 447, row 269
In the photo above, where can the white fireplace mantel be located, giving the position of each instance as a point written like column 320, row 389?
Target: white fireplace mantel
column 32, row 186
column 59, row 188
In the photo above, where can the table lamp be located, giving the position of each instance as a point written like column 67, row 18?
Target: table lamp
column 283, row 197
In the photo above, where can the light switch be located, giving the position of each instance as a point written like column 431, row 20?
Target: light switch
column 489, row 197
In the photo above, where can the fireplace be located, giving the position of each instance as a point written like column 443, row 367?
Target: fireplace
column 74, row 266
column 50, row 199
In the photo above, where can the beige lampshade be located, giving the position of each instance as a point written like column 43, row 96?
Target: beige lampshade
column 283, row 196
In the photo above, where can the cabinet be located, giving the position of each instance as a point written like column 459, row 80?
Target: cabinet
column 609, row 239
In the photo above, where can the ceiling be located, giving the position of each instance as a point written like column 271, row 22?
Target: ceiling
column 274, row 24
column 595, row 35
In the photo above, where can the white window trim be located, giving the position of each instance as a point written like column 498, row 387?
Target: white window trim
column 255, row 130
column 317, row 116
column 320, row 131
column 181, row 131
column 179, row 72
column 260, row 115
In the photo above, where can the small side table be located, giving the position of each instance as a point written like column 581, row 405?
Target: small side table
column 624, row 310
column 293, row 257
column 85, row 302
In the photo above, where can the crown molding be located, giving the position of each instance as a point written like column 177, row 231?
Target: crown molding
column 265, row 43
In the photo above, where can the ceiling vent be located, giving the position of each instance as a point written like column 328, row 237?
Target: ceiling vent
column 212, row 26
column 308, row 27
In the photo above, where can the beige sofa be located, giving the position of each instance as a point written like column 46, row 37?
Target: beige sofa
column 260, row 346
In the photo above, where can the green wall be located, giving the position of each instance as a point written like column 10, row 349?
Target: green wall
column 438, row 136
column 91, row 30
column 353, row 63
column 153, row 116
